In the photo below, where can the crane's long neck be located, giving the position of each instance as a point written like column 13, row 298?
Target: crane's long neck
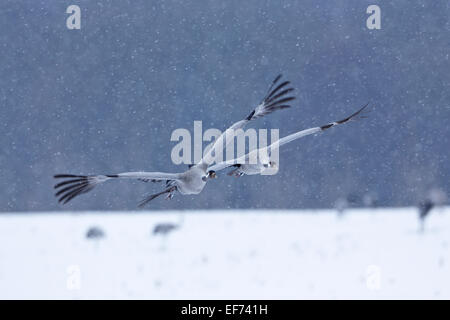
column 202, row 165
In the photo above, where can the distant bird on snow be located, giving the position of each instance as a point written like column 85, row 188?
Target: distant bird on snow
column 165, row 228
column 95, row 233
column 435, row 198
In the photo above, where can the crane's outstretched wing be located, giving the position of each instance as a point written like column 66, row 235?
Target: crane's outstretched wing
column 277, row 97
column 306, row 132
column 269, row 149
column 74, row 185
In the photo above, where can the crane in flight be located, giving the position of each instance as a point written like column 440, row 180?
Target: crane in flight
column 194, row 179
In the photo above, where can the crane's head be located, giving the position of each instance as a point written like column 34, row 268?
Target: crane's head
column 211, row 174
column 271, row 164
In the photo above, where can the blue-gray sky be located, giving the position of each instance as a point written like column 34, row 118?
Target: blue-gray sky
column 106, row 98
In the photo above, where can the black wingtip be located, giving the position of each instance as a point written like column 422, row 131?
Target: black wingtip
column 280, row 102
column 354, row 115
column 278, row 77
column 277, row 96
column 73, row 186
column 70, row 181
column 327, row 126
column 58, row 176
column 275, row 99
column 250, row 116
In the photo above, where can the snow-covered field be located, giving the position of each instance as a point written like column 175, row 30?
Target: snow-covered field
column 226, row 254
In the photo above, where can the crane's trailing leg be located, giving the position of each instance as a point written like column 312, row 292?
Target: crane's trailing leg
column 169, row 190
column 235, row 172
column 170, row 196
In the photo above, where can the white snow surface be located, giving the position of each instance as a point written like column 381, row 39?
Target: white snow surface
column 254, row 254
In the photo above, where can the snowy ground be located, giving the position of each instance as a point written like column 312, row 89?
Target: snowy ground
column 226, row 254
